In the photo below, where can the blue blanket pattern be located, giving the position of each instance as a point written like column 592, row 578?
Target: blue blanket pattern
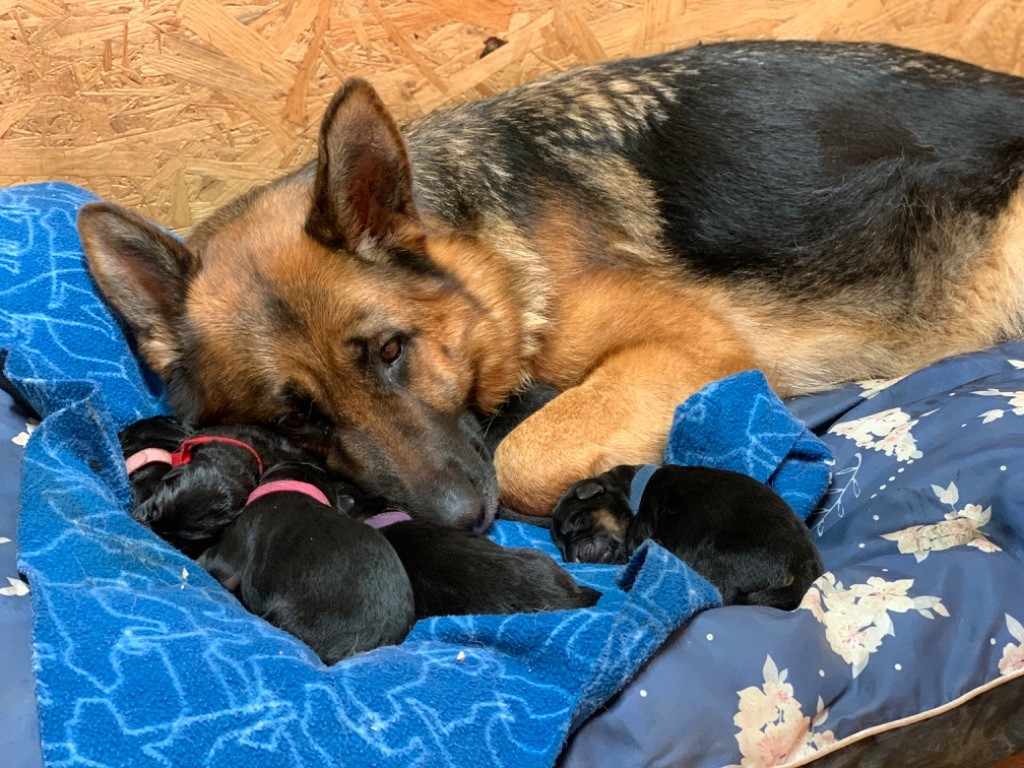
column 738, row 423
column 142, row 659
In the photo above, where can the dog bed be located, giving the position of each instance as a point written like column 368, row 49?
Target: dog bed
column 918, row 622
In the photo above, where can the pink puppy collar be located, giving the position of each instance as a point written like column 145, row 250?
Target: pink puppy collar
column 137, row 461
column 288, row 486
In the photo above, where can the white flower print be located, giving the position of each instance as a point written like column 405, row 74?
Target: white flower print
column 843, row 481
column 989, row 416
column 17, row 588
column 887, row 431
column 773, row 727
column 1013, row 653
column 1015, row 402
column 871, row 387
column 857, row 619
column 961, row 527
column 22, row 437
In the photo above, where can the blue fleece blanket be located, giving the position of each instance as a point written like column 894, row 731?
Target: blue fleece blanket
column 738, row 423
column 142, row 659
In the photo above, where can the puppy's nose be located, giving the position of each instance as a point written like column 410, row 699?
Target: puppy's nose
column 593, row 551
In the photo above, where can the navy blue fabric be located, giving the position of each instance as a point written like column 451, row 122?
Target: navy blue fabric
column 143, row 659
column 739, row 423
column 19, row 727
column 922, row 532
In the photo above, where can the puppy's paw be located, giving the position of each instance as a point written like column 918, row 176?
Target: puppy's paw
column 590, row 521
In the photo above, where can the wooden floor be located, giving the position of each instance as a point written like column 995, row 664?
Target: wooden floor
column 1015, row 761
column 174, row 107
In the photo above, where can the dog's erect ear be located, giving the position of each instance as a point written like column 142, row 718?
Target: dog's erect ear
column 143, row 272
column 363, row 185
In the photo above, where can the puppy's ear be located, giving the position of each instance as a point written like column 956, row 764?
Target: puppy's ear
column 588, row 490
column 363, row 188
column 143, row 272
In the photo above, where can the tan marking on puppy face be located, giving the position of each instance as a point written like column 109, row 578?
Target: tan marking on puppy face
column 609, row 521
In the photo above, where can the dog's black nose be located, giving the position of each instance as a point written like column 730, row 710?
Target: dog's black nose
column 461, row 505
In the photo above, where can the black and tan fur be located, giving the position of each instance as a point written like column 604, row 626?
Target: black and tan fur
column 625, row 232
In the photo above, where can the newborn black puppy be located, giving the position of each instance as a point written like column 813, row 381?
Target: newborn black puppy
column 147, row 446
column 213, row 471
column 733, row 530
column 294, row 558
column 455, row 572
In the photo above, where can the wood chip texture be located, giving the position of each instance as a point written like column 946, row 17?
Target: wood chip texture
column 173, row 107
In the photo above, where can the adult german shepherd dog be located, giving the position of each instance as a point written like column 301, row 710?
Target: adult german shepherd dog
column 625, row 232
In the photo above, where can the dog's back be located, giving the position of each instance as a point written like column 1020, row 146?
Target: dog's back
column 819, row 191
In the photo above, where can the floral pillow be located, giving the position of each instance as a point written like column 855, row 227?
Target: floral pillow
column 921, row 610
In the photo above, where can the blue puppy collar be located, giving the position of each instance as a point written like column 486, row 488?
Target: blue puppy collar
column 639, row 485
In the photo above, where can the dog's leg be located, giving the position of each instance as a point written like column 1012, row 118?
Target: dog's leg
column 620, row 414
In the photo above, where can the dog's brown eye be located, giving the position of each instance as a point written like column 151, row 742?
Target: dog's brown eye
column 391, row 350
column 293, row 420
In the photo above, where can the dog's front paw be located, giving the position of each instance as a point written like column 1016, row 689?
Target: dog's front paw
column 532, row 473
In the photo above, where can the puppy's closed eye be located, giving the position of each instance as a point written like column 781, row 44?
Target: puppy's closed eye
column 788, row 581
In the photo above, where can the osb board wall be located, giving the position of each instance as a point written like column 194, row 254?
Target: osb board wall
column 174, row 107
